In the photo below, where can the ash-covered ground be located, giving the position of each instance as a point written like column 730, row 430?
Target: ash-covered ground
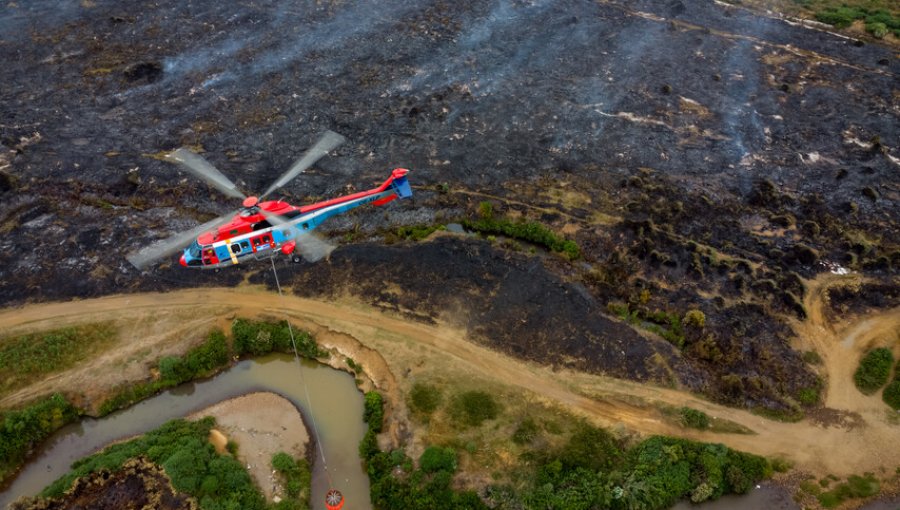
column 703, row 156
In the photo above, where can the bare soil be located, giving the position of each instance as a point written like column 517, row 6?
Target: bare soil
column 386, row 345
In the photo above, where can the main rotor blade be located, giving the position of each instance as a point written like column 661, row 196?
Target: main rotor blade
column 146, row 256
column 329, row 141
column 311, row 246
column 195, row 164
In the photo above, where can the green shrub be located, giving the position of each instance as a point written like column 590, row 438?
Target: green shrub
column 590, row 448
column 530, row 231
column 182, row 449
column 435, row 459
column 425, row 398
column 417, row 232
column 695, row 318
column 874, row 370
column 296, row 476
column 525, row 432
column 808, row 396
column 891, row 395
column 471, row 408
column 840, row 17
column 373, row 411
column 812, row 357
column 22, row 430
column 693, row 418
column 257, row 338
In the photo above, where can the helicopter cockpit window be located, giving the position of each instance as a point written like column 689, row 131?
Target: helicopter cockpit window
column 194, row 250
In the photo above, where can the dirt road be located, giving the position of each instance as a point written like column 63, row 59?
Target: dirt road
column 371, row 337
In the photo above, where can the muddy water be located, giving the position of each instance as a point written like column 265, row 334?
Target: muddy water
column 336, row 406
column 766, row 496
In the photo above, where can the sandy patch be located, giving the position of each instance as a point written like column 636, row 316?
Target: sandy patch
column 262, row 424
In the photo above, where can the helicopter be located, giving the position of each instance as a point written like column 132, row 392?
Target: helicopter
column 263, row 228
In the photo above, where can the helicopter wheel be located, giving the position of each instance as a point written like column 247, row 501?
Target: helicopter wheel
column 296, row 259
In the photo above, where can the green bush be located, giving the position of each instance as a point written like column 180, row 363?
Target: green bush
column 695, row 318
column 22, row 430
column 182, row 449
column 296, row 476
column 839, row 17
column 257, row 338
column 693, row 418
column 525, row 432
column 874, row 370
column 532, row 232
column 590, row 448
column 891, row 395
column 435, row 459
column 425, row 398
column 471, row 408
column 373, row 411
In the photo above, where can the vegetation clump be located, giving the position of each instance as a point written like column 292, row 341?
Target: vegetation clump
column 874, row 370
column 22, row 430
column 471, row 408
column 259, row 337
column 854, row 488
column 530, row 231
column 878, row 22
column 693, row 418
column 297, row 479
column 182, row 449
column 891, row 394
column 425, row 398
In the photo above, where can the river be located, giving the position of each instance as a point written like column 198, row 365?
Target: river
column 336, row 406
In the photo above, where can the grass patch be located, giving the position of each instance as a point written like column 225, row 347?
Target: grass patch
column 855, row 487
column 530, row 231
column 665, row 324
column 471, row 408
column 874, row 370
column 878, row 21
column 416, row 232
column 182, row 449
column 812, row 357
column 425, row 398
column 27, row 358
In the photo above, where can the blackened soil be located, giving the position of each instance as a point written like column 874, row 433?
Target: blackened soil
column 508, row 301
column 140, row 484
column 704, row 157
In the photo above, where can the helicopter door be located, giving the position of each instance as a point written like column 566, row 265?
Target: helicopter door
column 209, row 256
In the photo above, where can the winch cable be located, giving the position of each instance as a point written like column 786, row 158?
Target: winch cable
column 312, row 415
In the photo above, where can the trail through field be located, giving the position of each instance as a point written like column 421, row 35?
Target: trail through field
column 378, row 341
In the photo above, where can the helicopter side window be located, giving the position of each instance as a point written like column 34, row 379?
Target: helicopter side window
column 306, row 226
column 236, row 248
column 287, row 233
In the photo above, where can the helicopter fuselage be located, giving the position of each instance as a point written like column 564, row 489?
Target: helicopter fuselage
column 250, row 235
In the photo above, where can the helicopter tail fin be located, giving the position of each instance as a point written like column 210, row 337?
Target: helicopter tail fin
column 399, row 183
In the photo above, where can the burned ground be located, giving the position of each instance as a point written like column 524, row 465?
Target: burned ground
column 705, row 157
column 139, row 484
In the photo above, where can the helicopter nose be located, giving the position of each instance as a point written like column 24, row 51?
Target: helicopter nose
column 182, row 261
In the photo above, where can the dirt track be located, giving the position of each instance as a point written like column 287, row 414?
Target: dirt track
column 813, row 447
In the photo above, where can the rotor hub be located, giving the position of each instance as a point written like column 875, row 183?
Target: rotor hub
column 251, row 202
